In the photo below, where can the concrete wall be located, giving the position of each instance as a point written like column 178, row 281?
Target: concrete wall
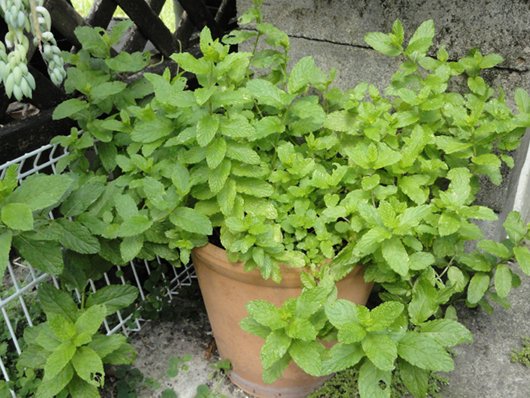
column 332, row 31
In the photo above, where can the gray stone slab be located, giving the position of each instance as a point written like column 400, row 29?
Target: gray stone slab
column 483, row 369
column 501, row 26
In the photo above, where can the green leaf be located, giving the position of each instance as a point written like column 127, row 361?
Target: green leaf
column 304, row 73
column 267, row 93
column 515, row 227
column 78, row 238
column 58, row 359
column 41, row 191
column 104, row 90
column 254, row 187
column 446, row 332
column 522, row 255
column 495, row 248
column 276, row 345
column 242, row 153
column 503, row 280
column 135, row 225
column 44, row 255
column 88, row 366
column 125, row 355
column 91, row 319
column 270, row 375
column 55, row 301
column 383, row 43
column 385, row 315
column 80, row 199
column 478, row 286
column 396, row 255
column 425, row 353
column 302, row 329
column 215, row 152
column 168, row 393
column 217, row 177
column 373, row 382
column 266, row 314
column 311, row 300
column 51, row 388
column 104, row 345
column 421, row 260
column 5, row 249
column 206, row 129
column 341, row 357
column 127, row 62
column 351, row 332
column 490, row 60
column 415, row 379
column 251, row 326
column 191, row 64
column 424, row 301
column 191, row 220
column 114, row 297
column 80, row 388
column 147, row 131
column 308, row 356
column 448, row 223
column 130, row 247
column 421, row 40
column 17, row 216
column 380, row 350
column 341, row 312
column 69, row 108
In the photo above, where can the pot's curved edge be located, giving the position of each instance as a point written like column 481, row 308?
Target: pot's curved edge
column 216, row 259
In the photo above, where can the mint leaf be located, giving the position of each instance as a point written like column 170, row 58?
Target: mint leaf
column 503, row 280
column 114, row 297
column 206, row 129
column 191, row 220
column 424, row 352
column 58, row 359
column 341, row 312
column 522, row 255
column 302, row 329
column 373, row 382
column 41, row 191
column 495, row 248
column 478, row 286
column 385, row 315
column 276, row 345
column 273, row 373
column 135, row 225
column 147, row 131
column 55, row 301
column 383, row 43
column 17, row 216
column 308, row 356
column 421, row 40
column 424, row 301
column 104, row 345
column 215, row 152
column 396, row 255
column 266, row 314
column 130, row 247
column 251, row 326
column 217, row 177
column 91, row 319
column 304, row 73
column 515, row 227
column 5, row 249
column 446, row 332
column 415, row 379
column 78, row 238
column 351, row 332
column 341, row 357
column 88, row 366
column 380, row 350
column 44, row 255
column 69, row 108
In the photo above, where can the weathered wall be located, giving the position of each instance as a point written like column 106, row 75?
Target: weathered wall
column 332, row 31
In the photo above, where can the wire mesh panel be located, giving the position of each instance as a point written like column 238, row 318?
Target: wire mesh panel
column 19, row 286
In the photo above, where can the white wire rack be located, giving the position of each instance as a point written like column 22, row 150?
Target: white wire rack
column 19, row 285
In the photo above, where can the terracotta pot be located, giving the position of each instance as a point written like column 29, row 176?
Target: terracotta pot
column 226, row 289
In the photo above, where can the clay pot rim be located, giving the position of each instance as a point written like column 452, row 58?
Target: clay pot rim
column 216, row 259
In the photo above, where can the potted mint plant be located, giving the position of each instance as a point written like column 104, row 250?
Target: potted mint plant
column 285, row 172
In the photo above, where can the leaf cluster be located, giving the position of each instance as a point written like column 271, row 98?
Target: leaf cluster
column 68, row 350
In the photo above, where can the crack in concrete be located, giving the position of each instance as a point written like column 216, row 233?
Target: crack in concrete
column 509, row 69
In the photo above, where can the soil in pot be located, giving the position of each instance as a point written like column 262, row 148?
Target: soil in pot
column 226, row 288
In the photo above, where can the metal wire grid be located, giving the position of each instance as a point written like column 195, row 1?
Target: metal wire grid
column 19, row 285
